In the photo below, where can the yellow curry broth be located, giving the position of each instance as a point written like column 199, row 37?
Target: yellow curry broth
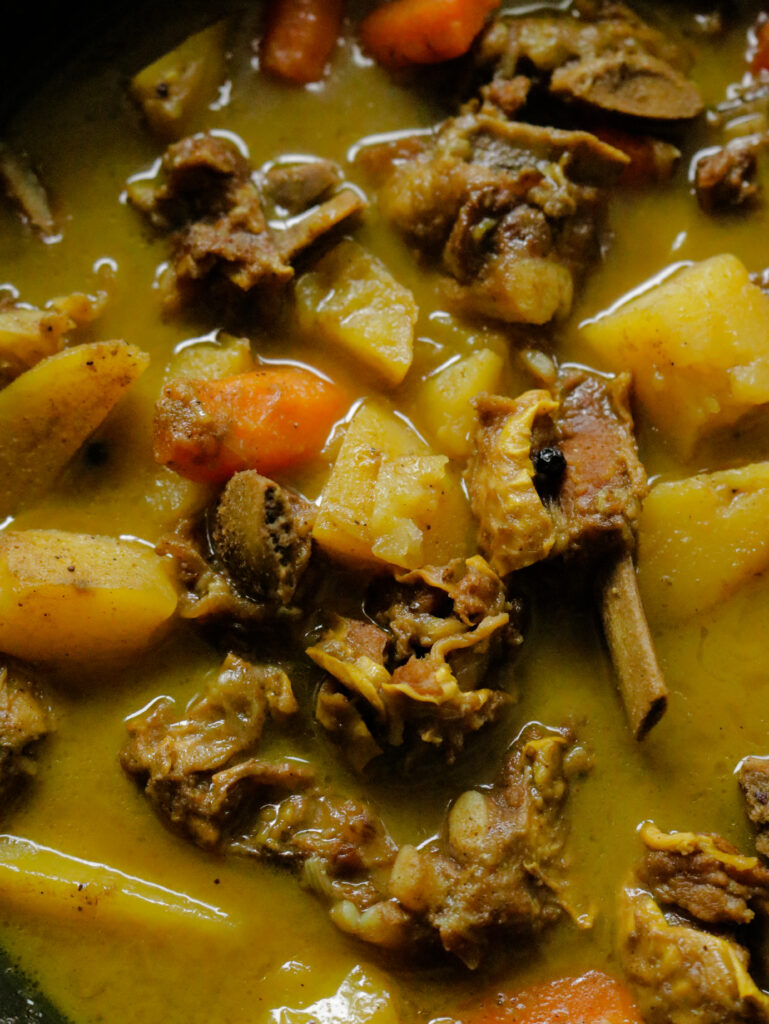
column 281, row 949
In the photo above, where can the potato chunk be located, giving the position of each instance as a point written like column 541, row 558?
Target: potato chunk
column 697, row 347
column 59, row 886
column 172, row 90
column 701, row 539
column 211, row 360
column 76, row 597
column 48, row 412
column 444, row 400
column 390, row 499
column 351, row 300
column 27, row 336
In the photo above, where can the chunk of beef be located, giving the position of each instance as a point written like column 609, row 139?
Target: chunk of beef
column 209, row 202
column 753, row 777
column 602, row 55
column 344, row 834
column 220, row 237
column 202, row 771
column 703, row 875
column 255, row 558
column 677, row 939
column 515, row 526
column 198, row 769
column 336, row 713
column 292, row 187
column 726, row 178
column 499, row 867
column 599, row 500
column 680, row 974
column 419, row 683
column 24, row 721
column 584, row 498
column 509, row 209
column 261, row 533
column 509, row 94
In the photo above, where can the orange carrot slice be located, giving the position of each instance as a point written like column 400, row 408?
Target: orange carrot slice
column 270, row 420
column 300, row 37
column 760, row 59
column 594, row 998
column 423, row 31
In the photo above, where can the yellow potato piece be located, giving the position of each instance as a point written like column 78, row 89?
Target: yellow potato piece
column 389, row 498
column 173, row 90
column 57, row 885
column 444, row 400
column 701, row 539
column 351, row 300
column 211, row 360
column 48, row 412
column 70, row 597
column 27, row 336
column 697, row 347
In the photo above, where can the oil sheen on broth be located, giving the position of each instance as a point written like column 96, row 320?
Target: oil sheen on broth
column 88, row 139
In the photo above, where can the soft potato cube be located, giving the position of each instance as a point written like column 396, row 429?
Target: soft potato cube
column 69, row 597
column 444, row 400
column 211, row 360
column 172, row 90
column 48, row 412
column 701, row 539
column 390, row 499
column 351, row 300
column 697, row 347
column 27, row 336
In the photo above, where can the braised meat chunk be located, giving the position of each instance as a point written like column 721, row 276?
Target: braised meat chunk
column 198, row 769
column 248, row 565
column 703, row 876
column 599, row 500
column 753, row 777
column 499, row 867
column 24, row 721
column 261, row 533
column 210, row 203
column 601, row 55
column 727, row 177
column 679, row 942
column 682, row 975
column 556, row 475
column 509, row 210
column 417, row 682
column 202, row 771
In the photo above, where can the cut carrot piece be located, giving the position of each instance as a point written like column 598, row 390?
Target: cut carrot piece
column 594, row 998
column 299, row 38
column 423, row 31
column 760, row 60
column 270, row 420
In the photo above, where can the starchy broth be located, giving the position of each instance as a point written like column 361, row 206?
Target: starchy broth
column 87, row 139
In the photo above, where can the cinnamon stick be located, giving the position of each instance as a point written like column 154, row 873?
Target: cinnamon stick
column 641, row 684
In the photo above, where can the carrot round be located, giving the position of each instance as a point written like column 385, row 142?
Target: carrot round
column 299, row 38
column 423, row 31
column 592, row 998
column 270, row 420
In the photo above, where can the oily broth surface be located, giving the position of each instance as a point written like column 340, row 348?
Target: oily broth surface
column 282, row 950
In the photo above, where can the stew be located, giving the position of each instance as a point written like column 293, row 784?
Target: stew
column 384, row 472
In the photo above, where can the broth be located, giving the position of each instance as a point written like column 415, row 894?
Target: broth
column 87, row 139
